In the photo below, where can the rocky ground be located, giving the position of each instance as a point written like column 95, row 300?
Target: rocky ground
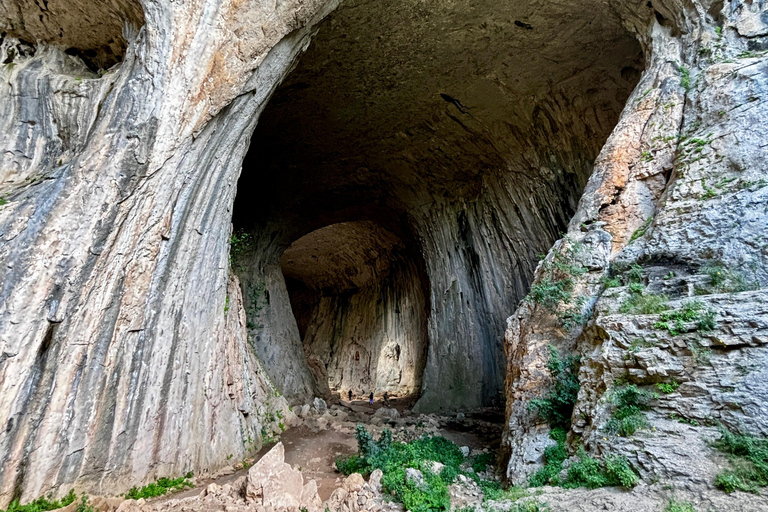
column 298, row 473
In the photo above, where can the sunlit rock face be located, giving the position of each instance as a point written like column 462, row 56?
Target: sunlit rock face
column 360, row 308
column 468, row 131
column 676, row 198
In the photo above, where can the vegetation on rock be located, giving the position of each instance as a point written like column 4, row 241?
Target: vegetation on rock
column 162, row 486
column 42, row 504
column 749, row 462
column 628, row 417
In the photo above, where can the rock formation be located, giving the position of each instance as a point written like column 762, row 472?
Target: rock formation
column 672, row 209
column 139, row 338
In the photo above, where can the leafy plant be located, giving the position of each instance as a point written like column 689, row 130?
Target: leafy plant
column 238, row 244
column 554, row 291
column 162, row 486
column 84, row 505
column 42, row 504
column 693, row 311
column 641, row 304
column 685, row 78
column 557, row 408
column 482, row 461
column 749, row 462
column 554, row 456
column 668, row 387
column 642, row 229
column 592, row 473
column 628, row 417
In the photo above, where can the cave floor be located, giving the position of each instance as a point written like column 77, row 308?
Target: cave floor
column 313, row 447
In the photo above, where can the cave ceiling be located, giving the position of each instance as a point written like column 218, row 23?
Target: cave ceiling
column 397, row 102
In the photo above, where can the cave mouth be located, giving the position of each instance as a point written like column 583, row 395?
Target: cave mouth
column 468, row 131
column 359, row 305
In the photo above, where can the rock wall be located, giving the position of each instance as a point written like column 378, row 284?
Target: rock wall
column 677, row 193
column 119, row 358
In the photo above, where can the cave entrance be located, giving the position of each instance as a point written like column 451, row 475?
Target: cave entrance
column 467, row 130
column 360, row 309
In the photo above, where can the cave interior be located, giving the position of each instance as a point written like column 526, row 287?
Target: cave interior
column 402, row 182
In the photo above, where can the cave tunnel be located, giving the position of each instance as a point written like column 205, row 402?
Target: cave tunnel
column 403, row 180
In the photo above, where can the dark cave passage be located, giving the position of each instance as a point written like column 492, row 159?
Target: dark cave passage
column 402, row 182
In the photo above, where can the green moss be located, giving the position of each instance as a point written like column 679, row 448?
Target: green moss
column 679, row 506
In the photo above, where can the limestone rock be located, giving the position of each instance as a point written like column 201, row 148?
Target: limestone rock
column 274, row 483
column 387, row 412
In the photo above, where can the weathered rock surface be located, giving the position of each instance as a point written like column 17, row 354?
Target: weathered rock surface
column 676, row 190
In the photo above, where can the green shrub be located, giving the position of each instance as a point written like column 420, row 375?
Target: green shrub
column 692, row 311
column 162, row 486
column 481, row 462
column 635, row 274
column 639, row 304
column 628, row 417
column 42, row 504
column 550, row 293
column 668, row 387
column 592, row 473
column 557, row 407
column 554, row 291
column 679, row 506
column 554, row 456
column 748, row 456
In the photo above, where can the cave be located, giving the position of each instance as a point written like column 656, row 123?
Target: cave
column 402, row 182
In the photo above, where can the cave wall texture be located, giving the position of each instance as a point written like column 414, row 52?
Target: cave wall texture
column 129, row 350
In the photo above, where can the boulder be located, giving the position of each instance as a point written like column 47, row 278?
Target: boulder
column 374, row 481
column 310, row 499
column 415, row 477
column 319, row 405
column 354, row 482
column 273, row 483
column 387, row 412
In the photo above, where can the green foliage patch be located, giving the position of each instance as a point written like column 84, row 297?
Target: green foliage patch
column 679, row 506
column 642, row 304
column 748, row 456
column 676, row 321
column 42, row 504
column 555, row 290
column 162, row 486
column 557, row 407
column 628, row 417
column 668, row 387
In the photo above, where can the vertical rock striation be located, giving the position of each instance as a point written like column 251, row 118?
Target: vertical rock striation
column 119, row 360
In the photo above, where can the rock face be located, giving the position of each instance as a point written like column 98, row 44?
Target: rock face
column 122, row 338
column 132, row 347
column 673, row 208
